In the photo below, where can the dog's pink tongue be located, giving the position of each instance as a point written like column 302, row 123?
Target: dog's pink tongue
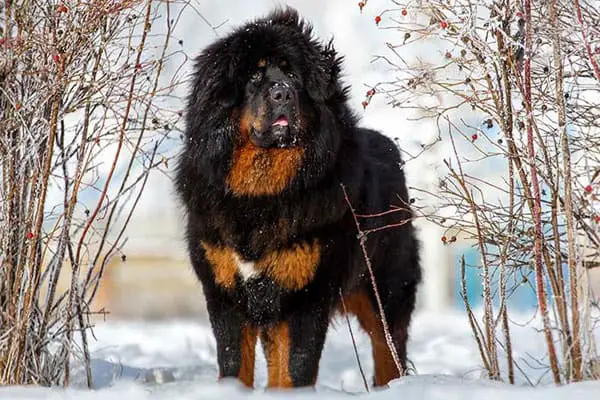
column 281, row 121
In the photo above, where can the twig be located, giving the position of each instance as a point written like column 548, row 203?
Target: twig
column 360, row 368
column 386, row 331
column 586, row 42
column 537, row 210
column 573, row 341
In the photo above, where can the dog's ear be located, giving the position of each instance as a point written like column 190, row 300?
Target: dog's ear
column 214, row 81
column 323, row 74
column 229, row 92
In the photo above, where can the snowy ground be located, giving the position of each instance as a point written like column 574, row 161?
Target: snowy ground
column 177, row 360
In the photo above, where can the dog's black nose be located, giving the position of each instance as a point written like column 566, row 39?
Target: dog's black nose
column 280, row 94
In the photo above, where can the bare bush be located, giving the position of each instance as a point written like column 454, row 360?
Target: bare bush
column 84, row 119
column 513, row 88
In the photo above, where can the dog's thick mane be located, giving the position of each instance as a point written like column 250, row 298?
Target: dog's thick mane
column 221, row 69
column 221, row 72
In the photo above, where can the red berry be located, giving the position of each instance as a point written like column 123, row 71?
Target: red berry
column 453, row 239
column 18, row 106
column 361, row 5
column 448, row 55
column 519, row 14
column 589, row 189
column 443, row 24
column 61, row 8
column 597, row 219
column 29, row 235
column 377, row 20
column 138, row 66
column 371, row 92
column 474, row 137
column 56, row 58
column 404, row 12
column 444, row 239
column 365, row 104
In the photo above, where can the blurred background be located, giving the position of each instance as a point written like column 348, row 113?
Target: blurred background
column 152, row 278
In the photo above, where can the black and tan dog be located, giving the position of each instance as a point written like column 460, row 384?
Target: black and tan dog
column 270, row 140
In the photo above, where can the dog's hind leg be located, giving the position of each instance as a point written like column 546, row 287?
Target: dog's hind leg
column 365, row 308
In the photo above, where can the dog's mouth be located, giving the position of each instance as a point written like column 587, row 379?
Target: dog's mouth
column 278, row 134
column 280, row 127
column 282, row 120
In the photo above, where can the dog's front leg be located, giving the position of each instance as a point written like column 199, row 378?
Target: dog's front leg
column 293, row 349
column 236, row 341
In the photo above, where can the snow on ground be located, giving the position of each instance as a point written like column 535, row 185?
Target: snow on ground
column 177, row 360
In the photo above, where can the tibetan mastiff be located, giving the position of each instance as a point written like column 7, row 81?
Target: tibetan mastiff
column 275, row 176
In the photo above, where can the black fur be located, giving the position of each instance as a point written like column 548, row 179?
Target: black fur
column 336, row 152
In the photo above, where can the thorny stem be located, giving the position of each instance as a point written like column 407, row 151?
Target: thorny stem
column 503, row 278
column 36, row 268
column 475, row 328
column 537, row 209
column 507, row 125
column 568, row 189
column 490, row 341
column 586, row 43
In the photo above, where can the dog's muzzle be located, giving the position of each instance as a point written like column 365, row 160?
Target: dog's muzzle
column 280, row 132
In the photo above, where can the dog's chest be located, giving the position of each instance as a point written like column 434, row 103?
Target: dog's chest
column 245, row 269
column 291, row 268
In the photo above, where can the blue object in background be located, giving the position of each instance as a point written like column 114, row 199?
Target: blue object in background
column 520, row 286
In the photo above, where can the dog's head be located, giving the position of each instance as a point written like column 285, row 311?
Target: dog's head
column 277, row 49
column 272, row 86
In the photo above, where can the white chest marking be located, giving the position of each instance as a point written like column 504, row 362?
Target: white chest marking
column 245, row 268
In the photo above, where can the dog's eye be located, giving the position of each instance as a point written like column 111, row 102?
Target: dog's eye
column 257, row 76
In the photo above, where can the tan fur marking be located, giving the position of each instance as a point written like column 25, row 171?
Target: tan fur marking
column 292, row 268
column 360, row 305
column 248, row 350
column 223, row 264
column 256, row 171
column 248, row 121
column 262, row 63
column 277, row 351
